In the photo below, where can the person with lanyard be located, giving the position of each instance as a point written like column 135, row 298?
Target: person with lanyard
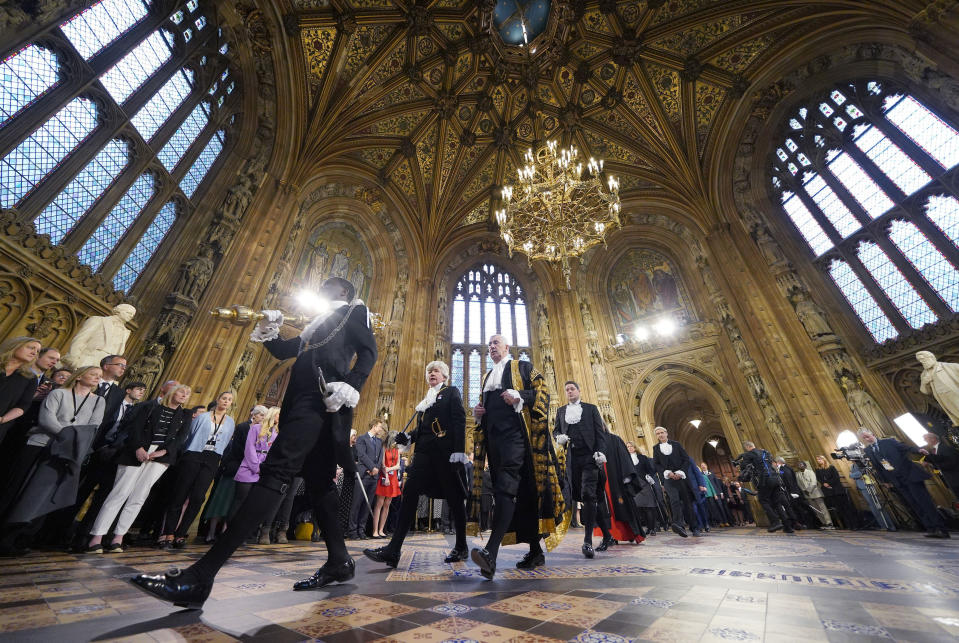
column 18, row 382
column 580, row 426
column 76, row 406
column 891, row 462
column 512, row 428
column 437, row 468
column 209, row 434
column 333, row 358
column 154, row 436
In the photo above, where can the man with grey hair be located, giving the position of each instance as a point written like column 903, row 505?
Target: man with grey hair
column 890, row 459
column 437, row 468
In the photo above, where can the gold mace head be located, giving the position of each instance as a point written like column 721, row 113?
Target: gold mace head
column 244, row 315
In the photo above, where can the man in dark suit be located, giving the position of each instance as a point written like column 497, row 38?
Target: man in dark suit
column 580, row 427
column 769, row 484
column 333, row 357
column 945, row 458
column 797, row 508
column 113, row 367
column 671, row 461
column 438, row 464
column 369, row 457
column 890, row 459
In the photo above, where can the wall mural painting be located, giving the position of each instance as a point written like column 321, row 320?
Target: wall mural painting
column 335, row 250
column 644, row 285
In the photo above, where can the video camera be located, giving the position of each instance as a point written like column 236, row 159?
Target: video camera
column 852, row 453
column 747, row 472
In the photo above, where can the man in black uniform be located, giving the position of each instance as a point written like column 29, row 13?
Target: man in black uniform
column 580, row 425
column 438, row 462
column 315, row 424
column 512, row 428
column 671, row 461
column 769, row 485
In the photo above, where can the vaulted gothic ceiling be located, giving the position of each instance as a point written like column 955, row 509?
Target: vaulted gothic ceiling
column 428, row 100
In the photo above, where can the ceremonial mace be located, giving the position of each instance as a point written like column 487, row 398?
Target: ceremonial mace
column 244, row 315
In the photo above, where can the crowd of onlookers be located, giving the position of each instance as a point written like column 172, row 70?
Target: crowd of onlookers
column 83, row 457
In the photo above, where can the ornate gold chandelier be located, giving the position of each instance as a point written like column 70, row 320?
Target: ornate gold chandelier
column 558, row 208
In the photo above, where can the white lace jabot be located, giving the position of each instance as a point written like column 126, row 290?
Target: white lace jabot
column 574, row 412
column 430, row 398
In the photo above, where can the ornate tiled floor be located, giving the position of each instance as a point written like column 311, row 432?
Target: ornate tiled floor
column 740, row 584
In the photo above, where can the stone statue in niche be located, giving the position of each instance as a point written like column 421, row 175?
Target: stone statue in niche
column 389, row 367
column 810, row 314
column 99, row 337
column 148, row 368
column 865, row 409
column 767, row 245
column 195, row 273
column 542, row 323
column 399, row 304
column 587, row 317
column 599, row 375
column 774, row 424
column 941, row 381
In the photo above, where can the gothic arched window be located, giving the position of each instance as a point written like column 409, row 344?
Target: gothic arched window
column 109, row 124
column 862, row 174
column 486, row 301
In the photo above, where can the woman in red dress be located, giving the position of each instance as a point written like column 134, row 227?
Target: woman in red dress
column 388, row 486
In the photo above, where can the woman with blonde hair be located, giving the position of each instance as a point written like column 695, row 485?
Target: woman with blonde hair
column 209, row 434
column 17, row 381
column 258, row 442
column 155, row 432
column 834, row 494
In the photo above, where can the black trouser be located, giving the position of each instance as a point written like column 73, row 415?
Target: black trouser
column 680, row 501
column 916, row 494
column 192, row 477
column 305, row 434
column 842, row 510
column 359, row 510
column 588, row 486
column 285, row 507
column 22, row 466
column 429, row 471
column 773, row 500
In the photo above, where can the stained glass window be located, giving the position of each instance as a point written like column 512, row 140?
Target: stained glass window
column 871, row 116
column 456, row 369
column 35, row 157
column 163, row 103
column 24, row 77
column 900, row 291
column 852, row 288
column 146, row 246
column 202, row 164
column 181, row 140
column 99, row 246
column 944, row 212
column 487, row 301
column 103, row 22
column 62, row 214
column 137, row 66
column 935, row 268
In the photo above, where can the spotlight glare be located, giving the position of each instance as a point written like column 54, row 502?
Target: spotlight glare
column 312, row 302
column 665, row 327
column 912, row 427
column 846, row 439
column 696, row 423
column 641, row 333
column 714, row 443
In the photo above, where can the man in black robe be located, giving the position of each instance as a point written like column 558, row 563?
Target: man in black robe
column 438, row 464
column 315, row 423
column 671, row 461
column 580, row 428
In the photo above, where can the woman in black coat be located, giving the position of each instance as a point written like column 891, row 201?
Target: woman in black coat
column 17, row 382
column 834, row 494
column 155, row 431
column 438, row 464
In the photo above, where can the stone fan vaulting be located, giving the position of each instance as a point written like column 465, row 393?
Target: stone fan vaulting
column 430, row 100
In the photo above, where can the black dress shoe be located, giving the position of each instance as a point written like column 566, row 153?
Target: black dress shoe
column 485, row 561
column 937, row 533
column 775, row 527
column 607, row 543
column 531, row 560
column 327, row 574
column 678, row 530
column 182, row 591
column 455, row 555
column 383, row 555
column 697, row 533
column 588, row 550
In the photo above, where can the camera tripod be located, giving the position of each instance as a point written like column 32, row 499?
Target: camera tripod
column 882, row 499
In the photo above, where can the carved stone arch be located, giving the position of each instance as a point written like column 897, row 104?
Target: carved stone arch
column 16, row 298
column 661, row 373
column 53, row 323
column 269, row 390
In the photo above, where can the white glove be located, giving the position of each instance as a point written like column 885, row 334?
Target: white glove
column 561, row 439
column 267, row 328
column 794, row 495
column 342, row 393
column 599, row 458
column 458, row 458
column 681, row 474
column 649, row 479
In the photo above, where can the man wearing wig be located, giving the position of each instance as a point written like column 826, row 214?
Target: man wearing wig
column 437, row 468
column 513, row 431
column 314, row 426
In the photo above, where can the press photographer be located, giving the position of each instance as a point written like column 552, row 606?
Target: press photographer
column 763, row 471
column 890, row 460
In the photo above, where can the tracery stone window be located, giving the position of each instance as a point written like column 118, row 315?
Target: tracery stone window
column 866, row 173
column 110, row 125
column 487, row 301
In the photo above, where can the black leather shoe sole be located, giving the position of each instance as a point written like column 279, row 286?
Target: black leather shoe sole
column 679, row 531
column 324, row 576
column 485, row 563
column 588, row 550
column 380, row 556
column 455, row 556
column 191, row 596
column 532, row 563
column 775, row 528
column 606, row 544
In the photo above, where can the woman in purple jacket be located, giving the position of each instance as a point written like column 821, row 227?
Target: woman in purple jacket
column 259, row 439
